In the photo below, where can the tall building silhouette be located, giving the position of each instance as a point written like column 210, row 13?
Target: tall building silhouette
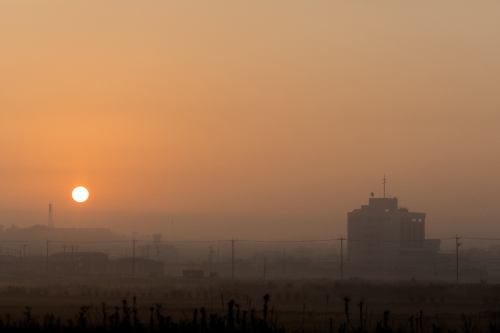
column 384, row 234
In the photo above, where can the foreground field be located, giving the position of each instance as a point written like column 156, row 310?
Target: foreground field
column 295, row 305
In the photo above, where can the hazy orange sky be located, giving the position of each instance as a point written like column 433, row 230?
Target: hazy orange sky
column 249, row 119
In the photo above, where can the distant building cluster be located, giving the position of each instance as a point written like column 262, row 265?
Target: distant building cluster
column 42, row 249
column 79, row 264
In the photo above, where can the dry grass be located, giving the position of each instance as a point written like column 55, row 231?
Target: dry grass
column 296, row 305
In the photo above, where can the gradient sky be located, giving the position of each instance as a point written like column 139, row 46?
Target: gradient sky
column 249, row 119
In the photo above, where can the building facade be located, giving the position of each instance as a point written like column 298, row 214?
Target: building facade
column 384, row 234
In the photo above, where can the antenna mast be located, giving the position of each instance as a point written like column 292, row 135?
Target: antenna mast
column 384, row 185
column 51, row 225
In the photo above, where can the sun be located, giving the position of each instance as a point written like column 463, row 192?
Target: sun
column 80, row 194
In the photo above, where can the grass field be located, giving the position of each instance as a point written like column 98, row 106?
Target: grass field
column 308, row 305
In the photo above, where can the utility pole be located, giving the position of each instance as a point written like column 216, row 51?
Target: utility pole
column 147, row 251
column 210, row 263
column 265, row 259
column 341, row 239
column 457, row 245
column 384, row 185
column 232, row 247
column 133, row 257
column 20, row 262
column 74, row 267
column 47, row 268
column 24, row 255
column 64, row 256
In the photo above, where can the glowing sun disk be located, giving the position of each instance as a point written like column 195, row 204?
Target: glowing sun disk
column 80, row 194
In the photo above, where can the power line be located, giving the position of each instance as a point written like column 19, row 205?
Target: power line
column 285, row 241
column 243, row 240
column 492, row 239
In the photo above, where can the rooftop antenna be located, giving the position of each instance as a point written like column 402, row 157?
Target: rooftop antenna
column 384, row 184
column 51, row 225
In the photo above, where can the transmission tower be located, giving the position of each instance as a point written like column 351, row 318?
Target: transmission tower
column 51, row 225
